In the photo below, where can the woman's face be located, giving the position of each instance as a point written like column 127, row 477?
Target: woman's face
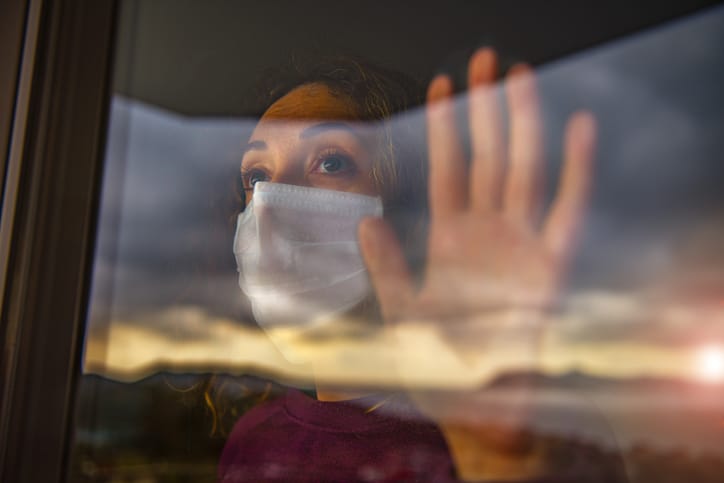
column 309, row 138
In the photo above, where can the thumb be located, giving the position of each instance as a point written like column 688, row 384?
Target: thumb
column 387, row 267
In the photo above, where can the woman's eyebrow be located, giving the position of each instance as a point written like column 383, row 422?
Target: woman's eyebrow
column 320, row 128
column 253, row 145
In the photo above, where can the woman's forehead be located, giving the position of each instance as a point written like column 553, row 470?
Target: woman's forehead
column 311, row 102
column 308, row 107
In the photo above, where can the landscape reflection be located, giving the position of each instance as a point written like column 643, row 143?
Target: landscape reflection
column 630, row 363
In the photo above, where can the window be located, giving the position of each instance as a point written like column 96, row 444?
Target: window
column 626, row 367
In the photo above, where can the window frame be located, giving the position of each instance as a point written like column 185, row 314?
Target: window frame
column 49, row 219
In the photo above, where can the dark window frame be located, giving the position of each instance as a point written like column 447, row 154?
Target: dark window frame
column 13, row 23
column 53, row 231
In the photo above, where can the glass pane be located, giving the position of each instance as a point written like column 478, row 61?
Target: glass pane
column 306, row 271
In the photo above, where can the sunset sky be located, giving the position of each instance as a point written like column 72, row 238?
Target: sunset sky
column 646, row 296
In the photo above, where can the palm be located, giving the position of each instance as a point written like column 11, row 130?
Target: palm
column 484, row 263
column 487, row 250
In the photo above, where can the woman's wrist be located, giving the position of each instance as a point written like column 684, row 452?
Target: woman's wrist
column 492, row 454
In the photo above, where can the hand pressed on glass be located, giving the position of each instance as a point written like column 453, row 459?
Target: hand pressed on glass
column 488, row 259
column 485, row 248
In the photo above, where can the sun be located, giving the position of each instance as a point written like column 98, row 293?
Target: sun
column 710, row 364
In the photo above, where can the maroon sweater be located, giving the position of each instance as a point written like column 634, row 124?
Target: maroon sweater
column 296, row 438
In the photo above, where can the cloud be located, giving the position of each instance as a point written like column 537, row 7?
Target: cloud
column 605, row 334
column 187, row 338
column 645, row 319
column 651, row 248
column 166, row 224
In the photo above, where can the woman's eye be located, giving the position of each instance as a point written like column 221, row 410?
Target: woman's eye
column 252, row 177
column 335, row 163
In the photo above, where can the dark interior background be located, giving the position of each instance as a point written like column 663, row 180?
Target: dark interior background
column 202, row 58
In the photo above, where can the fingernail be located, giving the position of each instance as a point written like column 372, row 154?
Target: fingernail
column 482, row 65
column 440, row 87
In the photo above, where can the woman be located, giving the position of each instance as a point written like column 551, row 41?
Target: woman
column 312, row 172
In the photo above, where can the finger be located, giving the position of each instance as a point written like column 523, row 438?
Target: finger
column 387, row 267
column 523, row 184
column 485, row 132
column 560, row 231
column 448, row 188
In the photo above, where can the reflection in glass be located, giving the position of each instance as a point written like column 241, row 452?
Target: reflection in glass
column 637, row 338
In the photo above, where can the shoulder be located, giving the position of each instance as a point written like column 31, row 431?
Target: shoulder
column 249, row 427
column 258, row 415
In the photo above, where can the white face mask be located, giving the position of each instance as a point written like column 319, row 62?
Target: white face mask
column 297, row 253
